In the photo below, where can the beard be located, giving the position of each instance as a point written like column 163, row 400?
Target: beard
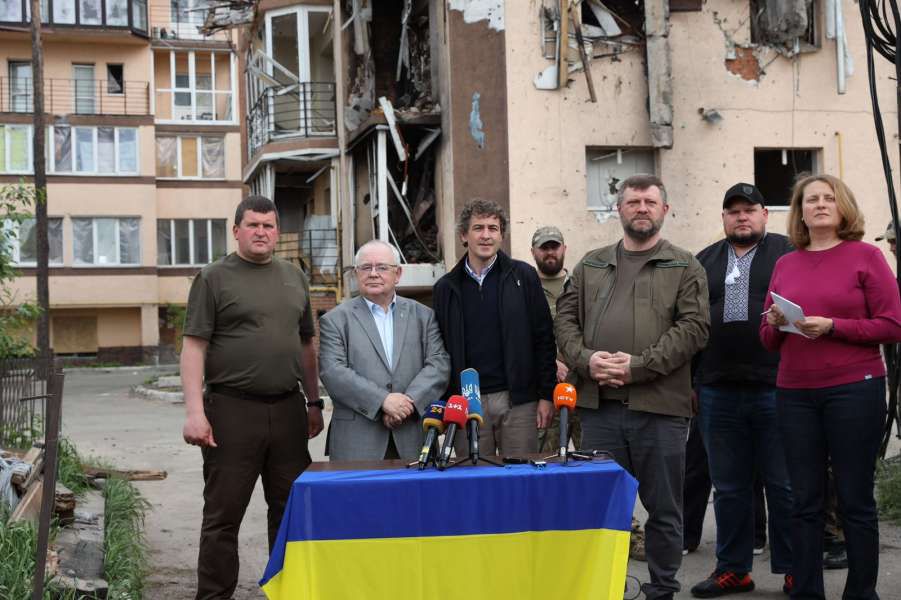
column 550, row 266
column 745, row 239
column 641, row 235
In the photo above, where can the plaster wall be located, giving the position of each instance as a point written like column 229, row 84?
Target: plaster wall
column 793, row 105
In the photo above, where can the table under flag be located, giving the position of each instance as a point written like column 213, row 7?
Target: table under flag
column 466, row 533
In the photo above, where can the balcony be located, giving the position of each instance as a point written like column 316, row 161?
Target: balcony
column 77, row 96
column 315, row 250
column 125, row 15
column 295, row 110
column 181, row 20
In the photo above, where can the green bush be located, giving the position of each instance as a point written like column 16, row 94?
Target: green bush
column 126, row 549
column 888, row 489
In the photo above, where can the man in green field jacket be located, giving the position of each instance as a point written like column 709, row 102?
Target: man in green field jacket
column 634, row 316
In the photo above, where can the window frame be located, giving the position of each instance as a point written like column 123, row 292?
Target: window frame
column 604, row 152
column 191, row 242
column 5, row 159
column 16, row 249
column 120, row 82
column 178, row 155
column 118, row 263
column 193, row 90
column 118, row 172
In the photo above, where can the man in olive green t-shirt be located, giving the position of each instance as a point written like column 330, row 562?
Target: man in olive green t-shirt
column 249, row 334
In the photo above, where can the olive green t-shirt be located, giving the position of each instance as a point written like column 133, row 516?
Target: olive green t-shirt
column 553, row 289
column 617, row 326
column 253, row 316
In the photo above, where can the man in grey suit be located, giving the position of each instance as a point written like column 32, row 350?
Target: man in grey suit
column 382, row 361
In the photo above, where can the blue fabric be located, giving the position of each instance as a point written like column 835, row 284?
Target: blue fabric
column 741, row 435
column 843, row 425
column 387, row 504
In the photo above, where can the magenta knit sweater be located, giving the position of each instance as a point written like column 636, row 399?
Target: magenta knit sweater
column 851, row 284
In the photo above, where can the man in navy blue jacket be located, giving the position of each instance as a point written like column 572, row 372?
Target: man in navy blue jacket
column 494, row 318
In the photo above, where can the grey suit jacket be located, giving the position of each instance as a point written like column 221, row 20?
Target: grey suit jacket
column 357, row 375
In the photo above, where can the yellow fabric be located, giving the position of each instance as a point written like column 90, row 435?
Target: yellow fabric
column 516, row 566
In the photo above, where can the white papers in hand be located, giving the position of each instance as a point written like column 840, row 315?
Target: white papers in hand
column 793, row 313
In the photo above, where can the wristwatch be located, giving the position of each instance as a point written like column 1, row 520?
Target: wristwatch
column 320, row 404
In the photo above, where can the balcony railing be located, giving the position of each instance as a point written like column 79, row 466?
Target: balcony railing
column 77, row 96
column 300, row 109
column 95, row 14
column 315, row 250
column 181, row 20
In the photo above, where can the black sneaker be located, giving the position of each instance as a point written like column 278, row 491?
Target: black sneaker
column 721, row 584
column 836, row 558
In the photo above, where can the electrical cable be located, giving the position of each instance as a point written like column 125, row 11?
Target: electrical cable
column 880, row 33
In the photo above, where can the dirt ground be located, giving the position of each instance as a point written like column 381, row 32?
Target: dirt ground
column 104, row 419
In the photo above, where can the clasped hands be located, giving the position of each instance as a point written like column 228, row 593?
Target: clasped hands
column 395, row 409
column 610, row 369
column 812, row 327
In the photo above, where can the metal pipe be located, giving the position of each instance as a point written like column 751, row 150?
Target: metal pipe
column 840, row 47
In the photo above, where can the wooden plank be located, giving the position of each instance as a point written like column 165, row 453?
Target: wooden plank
column 562, row 59
column 64, row 500
column 131, row 475
column 586, row 66
column 29, row 507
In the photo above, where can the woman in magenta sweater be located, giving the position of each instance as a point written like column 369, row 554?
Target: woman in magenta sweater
column 831, row 380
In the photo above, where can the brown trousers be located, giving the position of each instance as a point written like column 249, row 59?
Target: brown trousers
column 253, row 438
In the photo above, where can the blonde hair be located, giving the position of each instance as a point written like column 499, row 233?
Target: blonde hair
column 851, row 226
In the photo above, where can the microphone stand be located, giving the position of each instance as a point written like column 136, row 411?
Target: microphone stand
column 433, row 456
column 474, row 456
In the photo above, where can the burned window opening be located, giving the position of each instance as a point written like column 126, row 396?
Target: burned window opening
column 391, row 57
column 412, row 225
column 777, row 170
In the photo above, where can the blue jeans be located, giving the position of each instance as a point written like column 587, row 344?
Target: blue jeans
column 741, row 433
column 842, row 425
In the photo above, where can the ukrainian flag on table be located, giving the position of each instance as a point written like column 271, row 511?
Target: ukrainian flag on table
column 467, row 533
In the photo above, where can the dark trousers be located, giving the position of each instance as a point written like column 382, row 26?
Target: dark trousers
column 697, row 493
column 652, row 448
column 741, row 434
column 253, row 439
column 842, row 424
column 697, row 487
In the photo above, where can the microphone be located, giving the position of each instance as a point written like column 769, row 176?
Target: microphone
column 433, row 426
column 454, row 417
column 565, row 400
column 469, row 387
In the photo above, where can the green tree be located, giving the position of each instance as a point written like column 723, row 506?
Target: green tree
column 15, row 316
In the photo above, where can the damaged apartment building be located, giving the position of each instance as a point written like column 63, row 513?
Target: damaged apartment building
column 380, row 119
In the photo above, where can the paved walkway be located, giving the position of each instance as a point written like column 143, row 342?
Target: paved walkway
column 103, row 419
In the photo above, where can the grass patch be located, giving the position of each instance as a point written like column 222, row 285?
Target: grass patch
column 124, row 543
column 888, row 489
column 126, row 549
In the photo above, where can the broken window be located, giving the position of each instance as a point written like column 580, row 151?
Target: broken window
column 115, row 79
column 776, row 170
column 606, row 168
column 190, row 157
column 106, row 241
column 190, row 241
column 391, row 57
column 94, row 150
column 24, row 241
column 783, row 22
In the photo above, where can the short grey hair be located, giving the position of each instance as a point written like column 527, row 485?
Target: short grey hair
column 640, row 182
column 373, row 243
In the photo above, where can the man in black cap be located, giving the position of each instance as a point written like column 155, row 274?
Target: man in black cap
column 736, row 379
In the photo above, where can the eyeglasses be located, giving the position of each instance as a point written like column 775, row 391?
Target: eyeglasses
column 378, row 268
